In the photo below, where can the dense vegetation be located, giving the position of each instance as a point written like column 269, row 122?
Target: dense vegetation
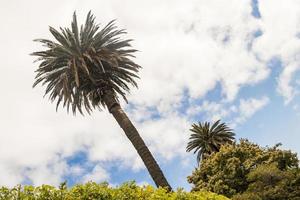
column 247, row 171
column 128, row 191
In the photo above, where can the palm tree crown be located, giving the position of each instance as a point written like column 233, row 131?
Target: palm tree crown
column 207, row 139
column 82, row 64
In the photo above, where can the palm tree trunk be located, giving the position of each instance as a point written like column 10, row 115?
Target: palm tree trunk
column 134, row 137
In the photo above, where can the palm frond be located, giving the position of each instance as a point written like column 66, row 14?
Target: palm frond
column 81, row 64
column 206, row 139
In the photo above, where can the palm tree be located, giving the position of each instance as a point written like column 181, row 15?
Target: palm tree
column 207, row 139
column 88, row 69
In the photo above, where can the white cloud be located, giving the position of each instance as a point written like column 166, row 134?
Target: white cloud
column 194, row 47
column 76, row 170
column 280, row 25
column 50, row 173
column 11, row 174
column 234, row 114
column 213, row 110
column 285, row 88
column 248, row 107
column 166, row 136
column 98, row 174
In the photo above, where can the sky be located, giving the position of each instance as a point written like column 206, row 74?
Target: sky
column 235, row 60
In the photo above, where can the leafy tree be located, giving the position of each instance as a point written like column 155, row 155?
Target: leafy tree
column 207, row 139
column 88, row 68
column 231, row 170
column 269, row 182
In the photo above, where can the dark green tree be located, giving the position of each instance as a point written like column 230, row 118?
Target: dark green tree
column 267, row 181
column 243, row 167
column 88, row 68
column 207, row 138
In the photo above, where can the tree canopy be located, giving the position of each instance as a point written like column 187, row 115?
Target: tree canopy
column 83, row 63
column 247, row 167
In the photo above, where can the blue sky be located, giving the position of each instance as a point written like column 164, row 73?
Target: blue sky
column 238, row 61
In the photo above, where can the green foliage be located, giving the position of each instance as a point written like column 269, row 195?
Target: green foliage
column 246, row 167
column 82, row 63
column 269, row 182
column 89, row 191
column 206, row 139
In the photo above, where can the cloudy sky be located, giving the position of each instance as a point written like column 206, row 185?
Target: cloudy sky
column 237, row 60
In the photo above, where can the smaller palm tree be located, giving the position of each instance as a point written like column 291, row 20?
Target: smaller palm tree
column 207, row 139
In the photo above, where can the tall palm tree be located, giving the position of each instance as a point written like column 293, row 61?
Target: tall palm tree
column 88, row 68
column 207, row 139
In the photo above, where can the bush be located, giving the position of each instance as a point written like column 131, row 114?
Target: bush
column 91, row 190
column 269, row 182
column 267, row 173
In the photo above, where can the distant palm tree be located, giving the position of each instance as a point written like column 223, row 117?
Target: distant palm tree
column 207, row 139
column 88, row 69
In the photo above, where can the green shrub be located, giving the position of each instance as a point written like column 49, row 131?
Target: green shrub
column 91, row 190
column 269, row 182
column 261, row 172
